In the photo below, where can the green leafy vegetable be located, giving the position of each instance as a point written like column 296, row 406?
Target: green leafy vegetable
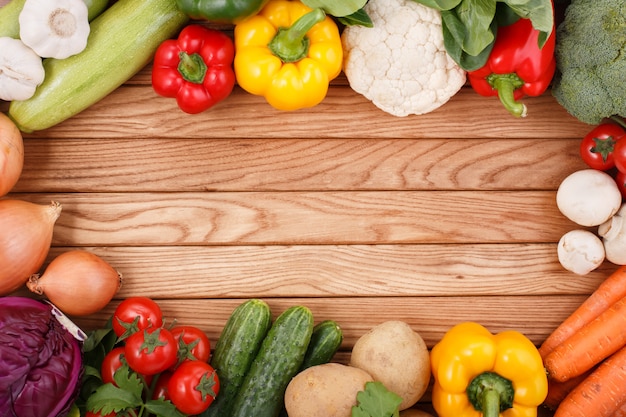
column 470, row 26
column 358, row 18
column 336, row 8
column 376, row 401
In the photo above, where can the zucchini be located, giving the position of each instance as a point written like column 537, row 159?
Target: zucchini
column 325, row 342
column 121, row 42
column 235, row 350
column 10, row 13
column 279, row 359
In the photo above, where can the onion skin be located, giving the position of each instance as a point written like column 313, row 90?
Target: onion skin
column 25, row 238
column 11, row 154
column 77, row 282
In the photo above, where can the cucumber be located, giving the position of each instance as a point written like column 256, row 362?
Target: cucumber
column 279, row 359
column 325, row 342
column 235, row 350
column 121, row 42
column 10, row 13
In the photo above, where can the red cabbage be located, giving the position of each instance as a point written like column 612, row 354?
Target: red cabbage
column 40, row 360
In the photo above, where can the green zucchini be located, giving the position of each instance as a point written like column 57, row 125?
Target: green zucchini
column 121, row 42
column 235, row 350
column 10, row 13
column 279, row 359
column 325, row 342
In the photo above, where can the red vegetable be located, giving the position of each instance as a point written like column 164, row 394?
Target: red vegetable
column 597, row 147
column 196, row 68
column 136, row 313
column 151, row 351
column 193, row 343
column 516, row 66
column 193, row 387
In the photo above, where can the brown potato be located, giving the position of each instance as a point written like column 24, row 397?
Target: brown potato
column 397, row 356
column 327, row 390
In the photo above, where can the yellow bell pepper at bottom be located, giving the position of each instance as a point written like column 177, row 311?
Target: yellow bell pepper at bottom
column 288, row 53
column 514, row 381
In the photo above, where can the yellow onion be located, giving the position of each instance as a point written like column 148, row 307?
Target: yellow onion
column 25, row 239
column 11, row 154
column 77, row 282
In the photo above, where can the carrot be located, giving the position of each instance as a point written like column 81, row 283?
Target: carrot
column 557, row 391
column 621, row 411
column 601, row 394
column 595, row 341
column 611, row 290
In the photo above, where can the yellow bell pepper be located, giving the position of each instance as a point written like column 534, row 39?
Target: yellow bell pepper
column 288, row 53
column 478, row 374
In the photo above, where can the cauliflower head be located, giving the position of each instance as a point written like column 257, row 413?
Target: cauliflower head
column 401, row 64
column 591, row 60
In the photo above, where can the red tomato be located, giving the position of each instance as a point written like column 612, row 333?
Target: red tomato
column 151, row 350
column 160, row 387
column 97, row 414
column 136, row 313
column 619, row 155
column 193, row 386
column 193, row 343
column 111, row 363
column 597, row 147
column 620, row 180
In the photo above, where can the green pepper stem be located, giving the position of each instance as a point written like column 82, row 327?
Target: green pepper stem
column 291, row 44
column 506, row 84
column 618, row 120
column 490, row 394
column 192, row 67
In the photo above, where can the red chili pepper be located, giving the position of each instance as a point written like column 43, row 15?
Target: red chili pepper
column 196, row 68
column 516, row 66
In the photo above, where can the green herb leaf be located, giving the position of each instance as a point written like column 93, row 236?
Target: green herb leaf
column 358, row 18
column 128, row 380
column 376, row 401
column 108, row 399
column 163, row 408
column 336, row 8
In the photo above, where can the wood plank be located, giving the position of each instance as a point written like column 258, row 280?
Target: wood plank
column 535, row 316
column 190, row 272
column 245, row 218
column 137, row 112
column 110, row 165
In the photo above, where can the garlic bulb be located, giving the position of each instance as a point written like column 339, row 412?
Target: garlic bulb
column 55, row 28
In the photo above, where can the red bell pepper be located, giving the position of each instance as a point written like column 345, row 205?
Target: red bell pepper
column 516, row 66
column 196, row 68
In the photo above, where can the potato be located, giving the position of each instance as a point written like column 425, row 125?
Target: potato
column 397, row 356
column 327, row 390
column 413, row 412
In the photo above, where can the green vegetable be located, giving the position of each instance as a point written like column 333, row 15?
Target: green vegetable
column 235, row 350
column 222, row 11
column 122, row 41
column 9, row 14
column 470, row 26
column 591, row 60
column 376, row 401
column 336, row 8
column 279, row 359
column 325, row 341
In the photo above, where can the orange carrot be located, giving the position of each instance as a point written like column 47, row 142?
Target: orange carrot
column 557, row 391
column 595, row 341
column 611, row 290
column 621, row 411
column 601, row 394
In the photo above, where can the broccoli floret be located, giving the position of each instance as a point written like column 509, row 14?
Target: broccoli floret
column 591, row 60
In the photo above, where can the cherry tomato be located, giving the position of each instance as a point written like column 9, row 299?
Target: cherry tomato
column 193, row 343
column 160, row 387
column 150, row 351
column 598, row 146
column 193, row 386
column 97, row 414
column 620, row 180
column 619, row 155
column 111, row 363
column 136, row 313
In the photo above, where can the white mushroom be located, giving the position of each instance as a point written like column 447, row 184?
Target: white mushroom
column 588, row 197
column 580, row 251
column 613, row 233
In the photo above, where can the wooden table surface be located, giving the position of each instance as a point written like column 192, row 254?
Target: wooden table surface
column 362, row 216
